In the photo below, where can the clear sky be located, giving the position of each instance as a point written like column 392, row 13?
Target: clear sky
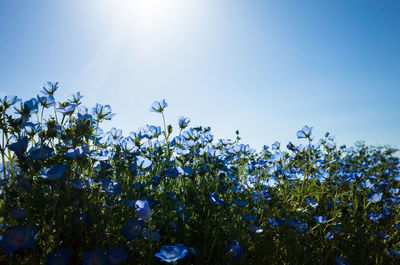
column 265, row 68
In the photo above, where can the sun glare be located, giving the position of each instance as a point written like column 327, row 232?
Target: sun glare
column 151, row 23
column 147, row 12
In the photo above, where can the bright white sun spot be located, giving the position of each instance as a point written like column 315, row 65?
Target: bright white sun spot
column 152, row 24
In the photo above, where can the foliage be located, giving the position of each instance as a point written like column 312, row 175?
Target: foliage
column 71, row 193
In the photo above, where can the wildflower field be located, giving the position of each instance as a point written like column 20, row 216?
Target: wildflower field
column 71, row 193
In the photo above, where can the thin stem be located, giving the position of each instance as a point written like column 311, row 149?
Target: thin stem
column 10, row 159
column 95, row 135
column 55, row 114
column 3, row 162
column 41, row 117
column 3, row 148
column 166, row 135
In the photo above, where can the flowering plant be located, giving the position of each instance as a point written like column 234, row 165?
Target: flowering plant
column 71, row 193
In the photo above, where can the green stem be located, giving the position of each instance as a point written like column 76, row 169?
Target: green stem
column 94, row 145
column 167, row 154
column 4, row 166
column 10, row 159
column 55, row 114
column 95, row 135
column 330, row 220
column 2, row 158
column 41, row 117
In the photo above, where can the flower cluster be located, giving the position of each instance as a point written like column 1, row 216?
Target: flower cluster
column 73, row 193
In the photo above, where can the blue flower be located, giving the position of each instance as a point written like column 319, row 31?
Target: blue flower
column 215, row 199
column 312, row 202
column 300, row 227
column 386, row 211
column 394, row 251
column 95, row 257
column 250, row 218
column 8, row 101
column 235, row 250
column 183, row 122
column 255, row 229
column 117, row 256
column 377, row 197
column 101, row 112
column 50, row 89
column 381, row 235
column 329, row 235
column 186, row 171
column 240, row 203
column 110, row 187
column 67, row 109
column 375, row 216
column 32, row 128
column 172, row 253
column 143, row 209
column 302, row 148
column 128, row 145
column 102, row 155
column 213, row 152
column 133, row 229
column 31, row 106
column 260, row 196
column 305, row 132
column 291, row 146
column 322, row 175
column 276, row 145
column 115, row 133
column 58, row 257
column 143, row 162
column 18, row 237
column 341, row 261
column 83, row 113
column 172, row 173
column 76, row 98
column 82, row 184
column 46, row 101
column 76, row 153
column 158, row 106
column 149, row 132
column 19, row 147
column 320, row 219
column 275, row 222
column 133, row 167
column 40, row 153
column 53, row 173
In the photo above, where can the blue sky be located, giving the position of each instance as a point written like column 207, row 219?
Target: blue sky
column 265, row 68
